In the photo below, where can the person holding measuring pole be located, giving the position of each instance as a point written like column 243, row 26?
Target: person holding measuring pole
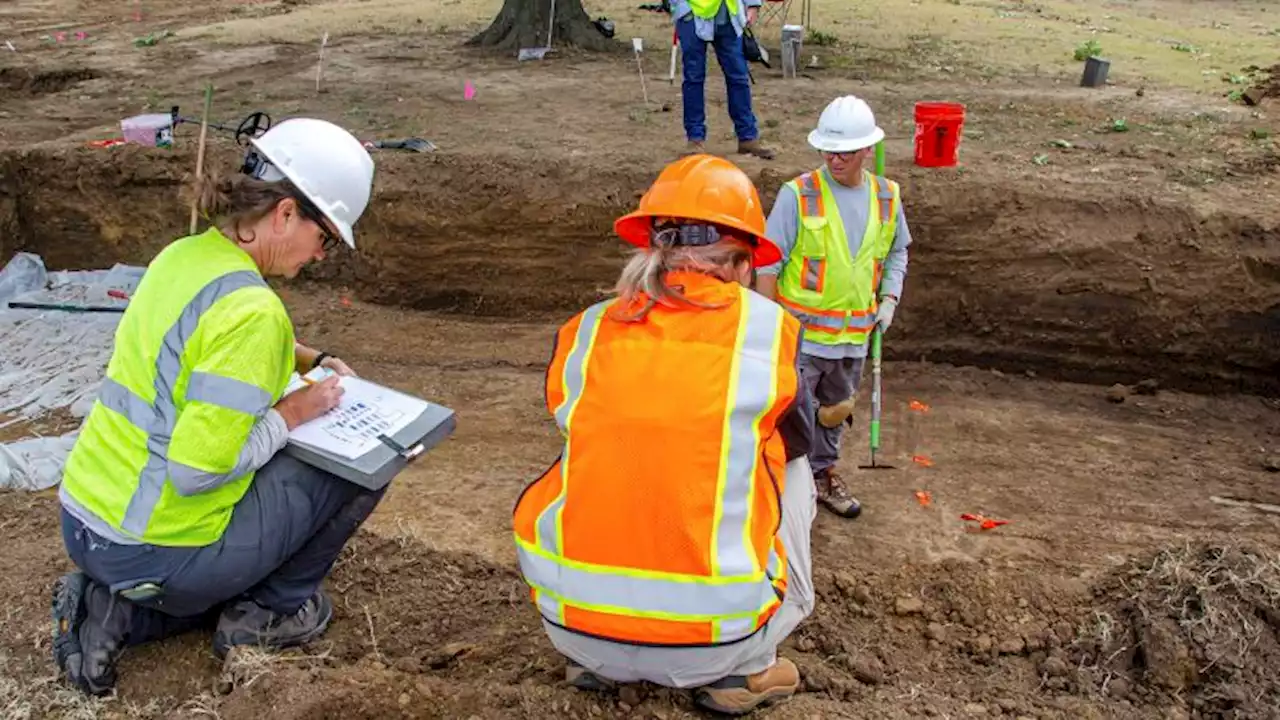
column 844, row 238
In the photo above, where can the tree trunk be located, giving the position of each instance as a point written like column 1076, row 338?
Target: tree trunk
column 524, row 24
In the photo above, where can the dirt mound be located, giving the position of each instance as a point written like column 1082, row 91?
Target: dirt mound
column 425, row 634
column 1198, row 621
column 20, row 81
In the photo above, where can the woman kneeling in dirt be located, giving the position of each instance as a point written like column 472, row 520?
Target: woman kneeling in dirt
column 176, row 506
column 669, row 543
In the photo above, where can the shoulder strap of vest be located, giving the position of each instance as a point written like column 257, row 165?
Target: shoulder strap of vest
column 887, row 192
column 809, row 190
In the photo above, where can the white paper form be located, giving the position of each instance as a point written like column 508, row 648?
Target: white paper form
column 365, row 411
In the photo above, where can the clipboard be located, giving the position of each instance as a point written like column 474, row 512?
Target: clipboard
column 374, row 469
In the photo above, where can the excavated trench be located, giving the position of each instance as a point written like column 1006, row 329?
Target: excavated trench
column 1114, row 290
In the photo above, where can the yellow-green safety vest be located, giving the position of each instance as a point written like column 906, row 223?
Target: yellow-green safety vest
column 203, row 351
column 832, row 293
column 708, row 8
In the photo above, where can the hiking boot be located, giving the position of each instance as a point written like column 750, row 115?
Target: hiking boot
column 248, row 623
column 755, row 147
column 584, row 679
column 740, row 694
column 694, row 147
column 88, row 637
column 833, row 494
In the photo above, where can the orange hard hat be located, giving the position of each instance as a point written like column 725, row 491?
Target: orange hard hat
column 702, row 189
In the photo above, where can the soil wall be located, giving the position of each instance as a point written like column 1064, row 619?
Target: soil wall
column 1046, row 279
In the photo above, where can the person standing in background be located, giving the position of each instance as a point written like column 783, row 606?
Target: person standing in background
column 721, row 23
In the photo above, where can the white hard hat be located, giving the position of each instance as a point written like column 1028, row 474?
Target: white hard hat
column 328, row 164
column 846, row 124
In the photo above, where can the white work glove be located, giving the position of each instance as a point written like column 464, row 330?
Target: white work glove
column 884, row 314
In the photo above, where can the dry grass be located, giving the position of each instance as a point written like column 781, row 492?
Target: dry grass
column 1217, row 594
column 247, row 664
column 931, row 37
column 48, row 697
column 1220, row 603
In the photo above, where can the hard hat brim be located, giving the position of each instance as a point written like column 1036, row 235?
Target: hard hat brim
column 634, row 229
column 828, row 144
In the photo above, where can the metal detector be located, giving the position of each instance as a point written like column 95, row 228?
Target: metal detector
column 252, row 127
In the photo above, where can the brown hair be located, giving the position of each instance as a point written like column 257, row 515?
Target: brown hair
column 646, row 274
column 238, row 201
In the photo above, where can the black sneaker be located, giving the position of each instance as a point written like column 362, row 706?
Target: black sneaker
column 248, row 623
column 88, row 637
column 584, row 679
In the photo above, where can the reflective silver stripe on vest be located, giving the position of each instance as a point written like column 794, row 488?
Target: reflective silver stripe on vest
column 735, row 627
column 634, row 594
column 157, row 419
column 886, row 198
column 550, row 606
column 810, row 195
column 228, row 392
column 575, row 373
column 811, row 277
column 121, row 399
column 753, row 384
column 835, row 323
column 190, row 481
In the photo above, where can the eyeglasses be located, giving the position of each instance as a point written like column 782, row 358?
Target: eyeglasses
column 841, row 156
column 330, row 242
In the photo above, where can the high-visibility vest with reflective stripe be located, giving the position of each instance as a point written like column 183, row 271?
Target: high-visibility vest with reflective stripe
column 203, row 351
column 832, row 293
column 657, row 524
column 708, row 8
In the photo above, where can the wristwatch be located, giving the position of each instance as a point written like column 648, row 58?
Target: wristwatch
column 319, row 359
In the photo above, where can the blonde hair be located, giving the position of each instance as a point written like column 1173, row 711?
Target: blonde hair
column 644, row 279
column 238, row 200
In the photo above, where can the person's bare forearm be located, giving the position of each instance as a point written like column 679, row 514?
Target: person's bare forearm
column 304, row 356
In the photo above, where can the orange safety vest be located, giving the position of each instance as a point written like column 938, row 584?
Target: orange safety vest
column 657, row 525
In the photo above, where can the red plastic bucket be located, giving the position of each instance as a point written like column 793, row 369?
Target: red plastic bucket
column 938, row 127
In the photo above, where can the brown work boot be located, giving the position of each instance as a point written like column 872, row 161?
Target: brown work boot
column 694, row 147
column 755, row 147
column 740, row 694
column 833, row 494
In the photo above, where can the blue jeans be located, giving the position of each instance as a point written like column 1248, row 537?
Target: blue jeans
column 283, row 538
column 737, row 82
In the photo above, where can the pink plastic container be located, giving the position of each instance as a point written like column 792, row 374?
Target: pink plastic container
column 154, row 130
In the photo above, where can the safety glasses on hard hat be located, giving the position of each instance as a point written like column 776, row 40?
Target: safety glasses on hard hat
column 672, row 232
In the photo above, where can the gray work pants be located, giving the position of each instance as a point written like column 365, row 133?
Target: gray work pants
column 831, row 382
column 697, row 666
column 283, row 538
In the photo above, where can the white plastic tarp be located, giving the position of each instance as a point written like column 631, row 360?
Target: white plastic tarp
column 52, row 359
column 34, row 464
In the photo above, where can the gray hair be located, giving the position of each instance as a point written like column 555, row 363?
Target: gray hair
column 646, row 273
